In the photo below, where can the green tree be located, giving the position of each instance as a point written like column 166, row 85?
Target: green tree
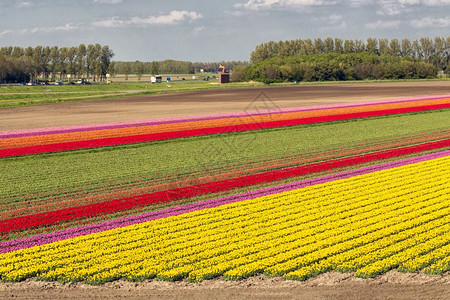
column 81, row 60
column 372, row 45
column 383, row 46
column 338, row 45
column 63, row 59
column 112, row 69
column 139, row 69
column 55, row 58
column 259, row 54
column 92, row 54
column 17, row 52
column 106, row 55
column 426, row 43
column 329, row 45
column 238, row 74
column 154, row 68
column 359, row 46
column 126, row 69
column 417, row 50
column 394, row 47
column 407, row 49
column 319, row 45
column 349, row 46
column 71, row 61
column 37, row 55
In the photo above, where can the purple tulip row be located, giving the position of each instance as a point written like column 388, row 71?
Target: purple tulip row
column 103, row 126
column 13, row 245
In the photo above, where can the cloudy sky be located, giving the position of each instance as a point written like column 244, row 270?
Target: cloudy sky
column 211, row 30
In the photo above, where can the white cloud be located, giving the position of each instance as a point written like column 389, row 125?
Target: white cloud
column 24, row 4
column 267, row 4
column 425, row 2
column 396, row 7
column 108, row 1
column 428, row 22
column 198, row 30
column 4, row 32
column 391, row 7
column 174, row 17
column 332, row 19
column 111, row 23
column 334, row 27
column 380, row 24
column 399, row 2
column 67, row 27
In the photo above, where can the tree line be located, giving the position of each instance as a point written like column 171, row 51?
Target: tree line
column 338, row 59
column 19, row 64
column 335, row 67
column 432, row 50
column 170, row 66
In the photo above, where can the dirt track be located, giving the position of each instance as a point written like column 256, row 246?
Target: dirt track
column 392, row 285
column 206, row 102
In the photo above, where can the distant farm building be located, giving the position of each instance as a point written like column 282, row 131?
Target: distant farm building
column 224, row 76
column 156, row 79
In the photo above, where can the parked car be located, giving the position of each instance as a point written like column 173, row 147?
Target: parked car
column 59, row 82
column 83, row 81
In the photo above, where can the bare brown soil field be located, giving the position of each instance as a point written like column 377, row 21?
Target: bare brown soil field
column 392, row 285
column 207, row 102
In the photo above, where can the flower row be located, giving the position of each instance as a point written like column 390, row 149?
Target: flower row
column 78, row 231
column 276, row 234
column 148, row 129
column 66, row 129
column 14, row 204
column 54, row 217
column 111, row 141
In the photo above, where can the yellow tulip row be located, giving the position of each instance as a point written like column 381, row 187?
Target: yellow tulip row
column 221, row 242
column 315, row 228
column 418, row 262
column 369, row 264
column 247, row 265
column 401, row 252
column 440, row 266
column 180, row 274
column 288, row 261
column 180, row 222
column 330, row 224
column 176, row 225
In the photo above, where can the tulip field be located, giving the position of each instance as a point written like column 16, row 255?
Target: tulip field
column 359, row 188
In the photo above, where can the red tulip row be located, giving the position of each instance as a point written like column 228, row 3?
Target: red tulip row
column 86, row 195
column 206, row 131
column 95, row 209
